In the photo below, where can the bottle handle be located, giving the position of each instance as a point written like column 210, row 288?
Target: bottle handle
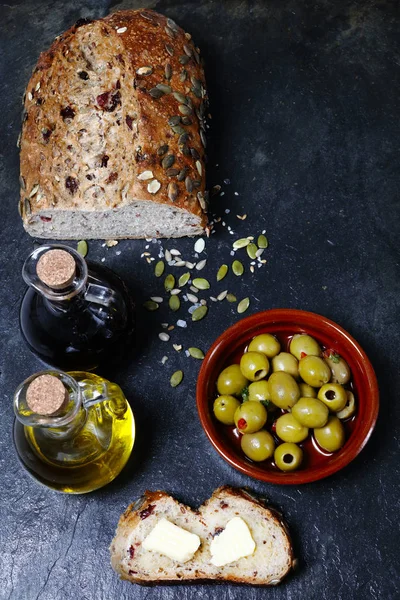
column 97, row 393
column 99, row 294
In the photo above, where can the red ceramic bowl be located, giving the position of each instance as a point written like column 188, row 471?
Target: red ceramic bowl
column 285, row 322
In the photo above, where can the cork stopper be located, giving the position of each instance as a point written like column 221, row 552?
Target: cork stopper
column 46, row 395
column 56, row 268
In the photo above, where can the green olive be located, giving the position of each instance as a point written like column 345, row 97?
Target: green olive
column 330, row 437
column 258, row 446
column 283, row 389
column 265, row 343
column 290, row 430
column 310, row 412
column 304, row 345
column 339, row 368
column 254, row 365
column 250, row 417
column 333, row 395
column 224, row 409
column 314, row 371
column 306, row 391
column 286, row 362
column 259, row 391
column 231, row 381
column 349, row 409
column 288, row 456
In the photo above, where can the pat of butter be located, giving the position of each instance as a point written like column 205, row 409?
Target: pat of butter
column 172, row 541
column 231, row 544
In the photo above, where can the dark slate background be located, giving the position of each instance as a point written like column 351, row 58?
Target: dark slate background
column 305, row 105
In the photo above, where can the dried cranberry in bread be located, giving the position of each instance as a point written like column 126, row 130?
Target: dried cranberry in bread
column 271, row 561
column 113, row 140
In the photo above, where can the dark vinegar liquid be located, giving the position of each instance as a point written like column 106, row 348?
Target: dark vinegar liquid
column 78, row 334
column 313, row 455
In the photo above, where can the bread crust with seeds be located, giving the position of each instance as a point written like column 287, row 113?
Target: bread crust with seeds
column 113, row 137
column 270, row 563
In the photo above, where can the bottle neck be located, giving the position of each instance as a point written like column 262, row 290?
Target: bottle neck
column 75, row 287
column 66, row 419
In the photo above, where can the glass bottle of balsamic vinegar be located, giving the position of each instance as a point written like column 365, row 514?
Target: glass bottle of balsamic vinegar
column 73, row 432
column 74, row 315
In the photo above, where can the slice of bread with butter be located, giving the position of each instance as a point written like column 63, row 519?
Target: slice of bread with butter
column 233, row 537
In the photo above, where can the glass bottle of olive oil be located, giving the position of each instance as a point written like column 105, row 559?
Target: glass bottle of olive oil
column 73, row 432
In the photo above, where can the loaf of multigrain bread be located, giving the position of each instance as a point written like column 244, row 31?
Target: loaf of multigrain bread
column 113, row 138
column 271, row 560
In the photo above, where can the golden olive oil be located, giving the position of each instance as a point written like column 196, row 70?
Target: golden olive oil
column 90, row 450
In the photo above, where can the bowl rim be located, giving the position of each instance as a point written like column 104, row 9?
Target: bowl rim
column 265, row 317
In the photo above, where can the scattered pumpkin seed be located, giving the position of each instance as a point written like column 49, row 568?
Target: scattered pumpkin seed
column 201, row 284
column 199, row 245
column 262, row 241
column 82, row 248
column 150, row 305
column 176, row 378
column 201, row 264
column 231, row 298
column 196, row 353
column 183, row 279
column 199, row 313
column 237, row 268
column 192, row 298
column 243, row 305
column 222, row 271
column 251, row 250
column 169, row 282
column 159, row 268
column 242, row 243
column 174, row 303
